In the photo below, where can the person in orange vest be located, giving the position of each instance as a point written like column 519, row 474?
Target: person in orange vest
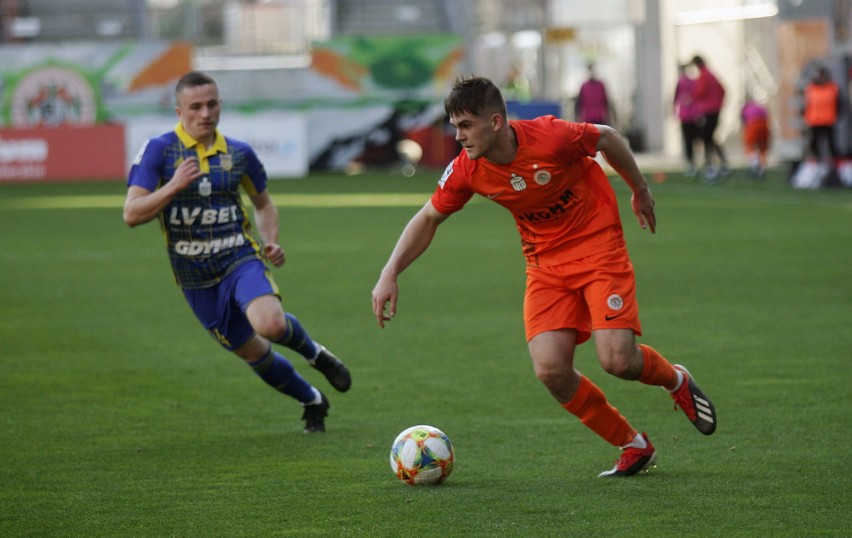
column 820, row 111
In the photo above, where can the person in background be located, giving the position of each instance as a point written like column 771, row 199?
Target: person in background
column 580, row 281
column 517, row 84
column 685, row 110
column 708, row 98
column 820, row 111
column 756, row 136
column 592, row 104
column 190, row 179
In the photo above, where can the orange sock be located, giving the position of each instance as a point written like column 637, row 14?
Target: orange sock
column 656, row 369
column 590, row 406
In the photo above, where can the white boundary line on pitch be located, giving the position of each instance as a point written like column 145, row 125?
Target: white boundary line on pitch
column 112, row 201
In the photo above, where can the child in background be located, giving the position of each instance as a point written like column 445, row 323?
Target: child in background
column 755, row 136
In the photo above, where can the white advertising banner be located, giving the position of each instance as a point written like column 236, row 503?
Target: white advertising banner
column 278, row 137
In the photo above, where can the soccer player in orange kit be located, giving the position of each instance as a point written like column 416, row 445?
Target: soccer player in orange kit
column 580, row 279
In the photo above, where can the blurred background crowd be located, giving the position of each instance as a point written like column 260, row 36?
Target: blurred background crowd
column 338, row 84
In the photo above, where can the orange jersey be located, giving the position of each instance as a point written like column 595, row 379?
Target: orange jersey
column 562, row 201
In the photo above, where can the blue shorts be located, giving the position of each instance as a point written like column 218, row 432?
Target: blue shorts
column 222, row 308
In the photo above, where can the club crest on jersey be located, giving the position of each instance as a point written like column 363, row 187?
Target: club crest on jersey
column 542, row 177
column 517, row 182
column 226, row 161
column 205, row 188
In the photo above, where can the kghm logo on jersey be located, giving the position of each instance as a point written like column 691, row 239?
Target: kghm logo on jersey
column 517, row 182
column 552, row 210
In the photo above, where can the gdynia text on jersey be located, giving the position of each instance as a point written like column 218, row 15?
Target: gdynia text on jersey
column 212, row 246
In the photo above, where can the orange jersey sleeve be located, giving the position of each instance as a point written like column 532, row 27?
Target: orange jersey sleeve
column 563, row 204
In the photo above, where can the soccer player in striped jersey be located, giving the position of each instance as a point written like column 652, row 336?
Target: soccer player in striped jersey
column 580, row 280
column 190, row 180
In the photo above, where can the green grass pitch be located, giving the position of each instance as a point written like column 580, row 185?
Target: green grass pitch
column 119, row 416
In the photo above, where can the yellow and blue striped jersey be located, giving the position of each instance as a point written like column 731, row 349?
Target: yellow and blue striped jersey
column 206, row 226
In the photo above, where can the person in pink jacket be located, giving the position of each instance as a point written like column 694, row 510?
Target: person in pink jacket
column 708, row 97
column 592, row 105
column 684, row 109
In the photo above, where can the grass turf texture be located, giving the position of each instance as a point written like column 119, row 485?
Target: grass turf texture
column 121, row 417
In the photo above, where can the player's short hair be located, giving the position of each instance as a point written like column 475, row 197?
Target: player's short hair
column 191, row 80
column 475, row 95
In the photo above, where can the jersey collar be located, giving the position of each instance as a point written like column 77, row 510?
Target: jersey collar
column 219, row 145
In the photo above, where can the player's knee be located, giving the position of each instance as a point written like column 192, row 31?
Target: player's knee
column 622, row 363
column 552, row 377
column 272, row 328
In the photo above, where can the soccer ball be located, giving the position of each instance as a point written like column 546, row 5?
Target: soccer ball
column 422, row 455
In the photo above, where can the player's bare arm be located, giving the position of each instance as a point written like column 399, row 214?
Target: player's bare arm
column 617, row 153
column 266, row 217
column 415, row 239
column 142, row 205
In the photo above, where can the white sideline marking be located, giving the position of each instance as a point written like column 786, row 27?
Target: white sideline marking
column 111, row 201
column 80, row 255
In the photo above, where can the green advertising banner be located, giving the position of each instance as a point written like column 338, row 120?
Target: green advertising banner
column 85, row 84
column 419, row 66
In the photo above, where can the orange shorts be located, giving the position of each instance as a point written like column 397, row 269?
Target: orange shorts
column 595, row 292
column 756, row 136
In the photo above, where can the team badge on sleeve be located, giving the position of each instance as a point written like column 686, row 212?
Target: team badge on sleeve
column 138, row 158
column 447, row 171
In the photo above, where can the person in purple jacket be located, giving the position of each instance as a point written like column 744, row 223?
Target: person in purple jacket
column 592, row 105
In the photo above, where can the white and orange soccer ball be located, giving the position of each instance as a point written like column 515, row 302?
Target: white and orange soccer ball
column 422, row 455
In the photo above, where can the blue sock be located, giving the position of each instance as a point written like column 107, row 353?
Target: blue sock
column 280, row 375
column 297, row 339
